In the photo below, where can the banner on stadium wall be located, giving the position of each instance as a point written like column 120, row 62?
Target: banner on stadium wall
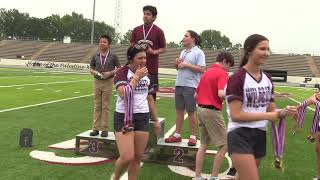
column 44, row 64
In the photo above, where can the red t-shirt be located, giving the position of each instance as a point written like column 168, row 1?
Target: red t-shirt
column 157, row 40
column 214, row 79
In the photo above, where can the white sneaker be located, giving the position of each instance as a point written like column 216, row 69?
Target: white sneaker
column 199, row 178
column 213, row 178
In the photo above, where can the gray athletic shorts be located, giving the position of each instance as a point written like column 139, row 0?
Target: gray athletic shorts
column 184, row 97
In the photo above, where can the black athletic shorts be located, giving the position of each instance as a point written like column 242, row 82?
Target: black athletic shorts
column 140, row 121
column 247, row 141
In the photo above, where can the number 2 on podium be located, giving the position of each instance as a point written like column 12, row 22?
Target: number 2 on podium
column 178, row 152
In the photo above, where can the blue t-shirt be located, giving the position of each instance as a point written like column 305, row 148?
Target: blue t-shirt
column 186, row 77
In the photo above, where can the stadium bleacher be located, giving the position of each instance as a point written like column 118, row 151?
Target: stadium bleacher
column 295, row 65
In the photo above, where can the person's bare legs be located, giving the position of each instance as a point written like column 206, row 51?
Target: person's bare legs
column 192, row 123
column 246, row 166
column 140, row 143
column 199, row 158
column 179, row 120
column 125, row 143
column 218, row 158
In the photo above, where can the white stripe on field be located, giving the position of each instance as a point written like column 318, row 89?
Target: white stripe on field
column 171, row 130
column 300, row 103
column 57, row 82
column 46, row 76
column 40, row 104
column 40, row 72
column 297, row 102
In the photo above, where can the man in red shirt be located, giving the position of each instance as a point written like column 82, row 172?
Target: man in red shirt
column 151, row 37
column 210, row 92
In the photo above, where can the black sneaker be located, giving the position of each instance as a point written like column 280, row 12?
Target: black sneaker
column 94, row 133
column 104, row 134
column 232, row 173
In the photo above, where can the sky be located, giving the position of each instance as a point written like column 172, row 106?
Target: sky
column 290, row 26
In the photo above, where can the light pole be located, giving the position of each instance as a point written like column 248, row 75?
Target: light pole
column 92, row 26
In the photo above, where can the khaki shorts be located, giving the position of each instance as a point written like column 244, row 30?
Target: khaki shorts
column 212, row 127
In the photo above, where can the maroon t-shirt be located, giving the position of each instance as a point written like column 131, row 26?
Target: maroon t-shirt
column 156, row 40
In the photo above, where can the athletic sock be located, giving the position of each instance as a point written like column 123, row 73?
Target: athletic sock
column 177, row 135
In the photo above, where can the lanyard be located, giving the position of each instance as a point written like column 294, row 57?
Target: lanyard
column 105, row 59
column 144, row 32
column 185, row 53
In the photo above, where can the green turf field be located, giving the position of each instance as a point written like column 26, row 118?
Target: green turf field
column 58, row 106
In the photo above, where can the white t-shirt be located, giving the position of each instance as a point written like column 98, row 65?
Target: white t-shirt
column 140, row 92
column 255, row 97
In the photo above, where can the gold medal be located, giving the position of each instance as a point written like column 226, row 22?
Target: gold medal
column 278, row 162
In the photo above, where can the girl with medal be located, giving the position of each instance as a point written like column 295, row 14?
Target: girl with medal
column 250, row 105
column 133, row 108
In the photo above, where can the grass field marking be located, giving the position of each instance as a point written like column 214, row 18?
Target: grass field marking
column 34, row 76
column 297, row 102
column 39, row 72
column 298, row 87
column 18, row 76
column 44, row 103
column 173, row 128
column 56, row 82
column 185, row 171
column 24, row 76
column 300, row 103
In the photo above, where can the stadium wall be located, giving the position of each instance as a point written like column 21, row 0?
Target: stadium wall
column 164, row 72
column 44, row 64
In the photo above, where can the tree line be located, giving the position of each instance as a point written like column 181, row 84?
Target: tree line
column 16, row 24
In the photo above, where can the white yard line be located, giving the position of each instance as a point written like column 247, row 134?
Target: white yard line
column 297, row 102
column 23, row 76
column 298, row 87
column 171, row 130
column 56, row 82
column 300, row 103
column 40, row 104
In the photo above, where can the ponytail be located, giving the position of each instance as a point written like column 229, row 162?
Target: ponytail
column 197, row 38
column 244, row 59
